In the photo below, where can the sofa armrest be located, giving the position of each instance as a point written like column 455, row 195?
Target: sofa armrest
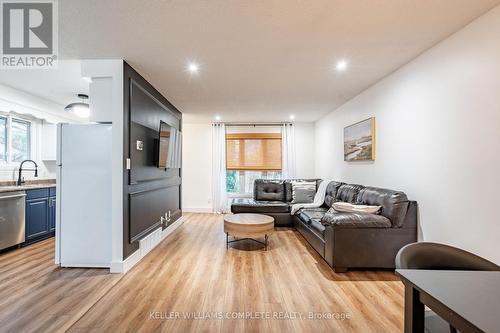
column 355, row 220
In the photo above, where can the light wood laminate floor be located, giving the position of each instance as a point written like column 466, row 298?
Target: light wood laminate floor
column 38, row 296
column 191, row 274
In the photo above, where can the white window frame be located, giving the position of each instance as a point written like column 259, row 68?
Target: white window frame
column 7, row 137
column 9, row 163
column 241, row 180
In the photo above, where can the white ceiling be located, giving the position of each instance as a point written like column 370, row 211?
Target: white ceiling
column 261, row 60
column 59, row 85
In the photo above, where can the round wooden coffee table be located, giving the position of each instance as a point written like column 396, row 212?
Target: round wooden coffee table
column 248, row 226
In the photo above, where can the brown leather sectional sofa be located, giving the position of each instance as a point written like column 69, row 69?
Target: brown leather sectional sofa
column 344, row 240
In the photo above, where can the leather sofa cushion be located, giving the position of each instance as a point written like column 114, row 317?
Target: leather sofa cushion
column 394, row 203
column 306, row 214
column 288, row 187
column 355, row 220
column 331, row 192
column 311, row 217
column 348, row 193
column 247, row 205
column 268, row 190
column 317, row 227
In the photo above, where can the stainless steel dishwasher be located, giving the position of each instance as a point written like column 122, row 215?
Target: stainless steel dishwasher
column 12, row 215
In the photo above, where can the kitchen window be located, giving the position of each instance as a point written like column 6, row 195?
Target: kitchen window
column 15, row 139
column 251, row 156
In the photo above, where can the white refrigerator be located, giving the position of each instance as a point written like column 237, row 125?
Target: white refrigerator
column 83, row 207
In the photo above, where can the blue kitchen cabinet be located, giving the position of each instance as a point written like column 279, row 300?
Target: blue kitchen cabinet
column 40, row 214
column 37, row 218
column 52, row 214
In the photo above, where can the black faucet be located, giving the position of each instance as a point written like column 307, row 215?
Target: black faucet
column 21, row 180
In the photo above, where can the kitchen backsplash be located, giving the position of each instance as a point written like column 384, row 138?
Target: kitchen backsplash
column 46, row 170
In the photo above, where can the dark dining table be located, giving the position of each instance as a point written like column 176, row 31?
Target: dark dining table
column 468, row 300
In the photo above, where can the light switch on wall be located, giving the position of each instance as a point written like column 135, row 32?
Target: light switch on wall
column 139, row 145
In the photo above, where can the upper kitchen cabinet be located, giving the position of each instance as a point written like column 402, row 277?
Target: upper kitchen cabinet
column 49, row 141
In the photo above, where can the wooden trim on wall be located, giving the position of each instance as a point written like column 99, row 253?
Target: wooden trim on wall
column 130, row 76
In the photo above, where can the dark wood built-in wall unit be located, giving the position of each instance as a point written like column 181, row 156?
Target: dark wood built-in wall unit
column 149, row 191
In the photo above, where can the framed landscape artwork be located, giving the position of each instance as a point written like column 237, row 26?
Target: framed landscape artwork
column 359, row 141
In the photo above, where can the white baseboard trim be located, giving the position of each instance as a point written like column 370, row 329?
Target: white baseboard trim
column 145, row 246
column 197, row 210
column 90, row 265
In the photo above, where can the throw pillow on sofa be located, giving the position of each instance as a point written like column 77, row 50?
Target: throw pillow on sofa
column 303, row 192
column 346, row 207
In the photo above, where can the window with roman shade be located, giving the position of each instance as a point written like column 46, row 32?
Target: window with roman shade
column 253, row 151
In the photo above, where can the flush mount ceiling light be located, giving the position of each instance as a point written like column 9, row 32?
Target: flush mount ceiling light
column 193, row 67
column 80, row 109
column 217, row 118
column 292, row 117
column 341, row 65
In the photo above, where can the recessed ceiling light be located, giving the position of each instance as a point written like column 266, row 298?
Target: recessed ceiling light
column 217, row 118
column 341, row 65
column 193, row 68
column 292, row 117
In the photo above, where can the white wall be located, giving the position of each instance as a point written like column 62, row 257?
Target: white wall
column 197, row 162
column 438, row 137
column 197, row 167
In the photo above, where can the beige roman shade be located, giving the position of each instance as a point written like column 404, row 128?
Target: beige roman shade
column 253, row 151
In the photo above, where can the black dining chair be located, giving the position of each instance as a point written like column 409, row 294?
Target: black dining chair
column 434, row 256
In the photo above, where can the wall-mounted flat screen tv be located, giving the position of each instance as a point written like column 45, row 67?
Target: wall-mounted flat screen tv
column 169, row 148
